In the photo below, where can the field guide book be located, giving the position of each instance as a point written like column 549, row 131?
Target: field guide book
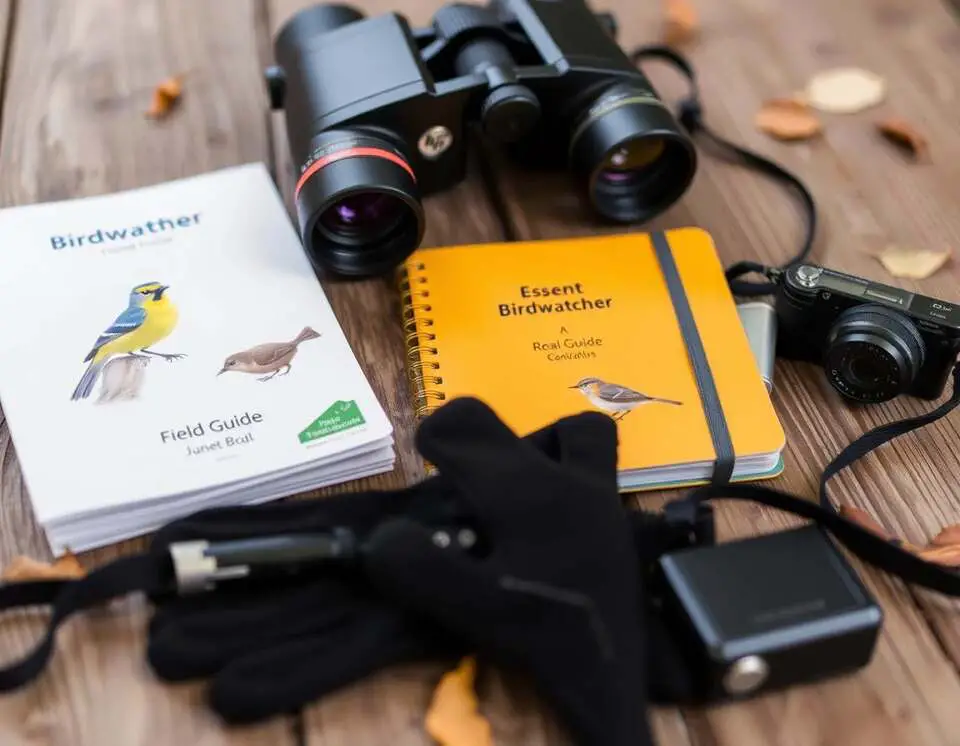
column 168, row 349
column 546, row 329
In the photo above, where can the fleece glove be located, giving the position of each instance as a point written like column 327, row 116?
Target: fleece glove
column 272, row 647
column 557, row 592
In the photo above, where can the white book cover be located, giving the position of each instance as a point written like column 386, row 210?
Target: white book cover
column 170, row 339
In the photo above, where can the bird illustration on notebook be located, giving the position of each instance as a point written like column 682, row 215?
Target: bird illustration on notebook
column 149, row 317
column 614, row 399
column 268, row 359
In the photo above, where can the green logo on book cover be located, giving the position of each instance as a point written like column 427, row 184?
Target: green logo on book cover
column 341, row 415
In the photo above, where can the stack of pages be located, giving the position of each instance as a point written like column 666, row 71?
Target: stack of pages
column 169, row 349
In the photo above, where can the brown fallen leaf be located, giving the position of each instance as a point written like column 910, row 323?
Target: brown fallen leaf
column 845, row 90
column 948, row 536
column 865, row 520
column 948, row 556
column 681, row 22
column 912, row 264
column 788, row 119
column 26, row 568
column 903, row 134
column 453, row 718
column 165, row 95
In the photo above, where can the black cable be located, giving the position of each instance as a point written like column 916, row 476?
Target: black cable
column 690, row 114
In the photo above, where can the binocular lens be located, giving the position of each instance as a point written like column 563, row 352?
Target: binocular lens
column 632, row 154
column 358, row 205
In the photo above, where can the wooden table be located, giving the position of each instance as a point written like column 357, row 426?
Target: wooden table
column 76, row 78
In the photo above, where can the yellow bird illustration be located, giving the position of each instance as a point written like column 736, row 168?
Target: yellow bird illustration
column 149, row 317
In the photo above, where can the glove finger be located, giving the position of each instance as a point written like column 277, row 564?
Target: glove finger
column 445, row 584
column 589, row 441
column 475, row 450
column 191, row 643
column 288, row 677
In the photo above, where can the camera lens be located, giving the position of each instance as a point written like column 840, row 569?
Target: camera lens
column 633, row 155
column 873, row 353
column 358, row 204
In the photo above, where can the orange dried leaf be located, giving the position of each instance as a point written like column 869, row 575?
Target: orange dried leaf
column 788, row 119
column 681, row 22
column 453, row 718
column 165, row 95
column 948, row 536
column 912, row 264
column 948, row 556
column 903, row 134
column 25, row 568
column 865, row 520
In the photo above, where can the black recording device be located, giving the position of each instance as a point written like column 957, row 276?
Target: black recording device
column 377, row 115
column 766, row 613
column 874, row 341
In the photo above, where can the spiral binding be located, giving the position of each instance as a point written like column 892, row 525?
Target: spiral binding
column 423, row 364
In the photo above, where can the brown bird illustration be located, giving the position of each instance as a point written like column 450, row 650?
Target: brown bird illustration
column 268, row 358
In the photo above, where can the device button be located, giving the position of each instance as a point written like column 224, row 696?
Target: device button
column 808, row 276
column 745, row 675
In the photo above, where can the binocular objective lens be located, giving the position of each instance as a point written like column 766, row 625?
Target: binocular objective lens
column 366, row 216
column 634, row 157
column 358, row 204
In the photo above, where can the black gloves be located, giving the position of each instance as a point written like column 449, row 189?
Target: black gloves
column 272, row 647
column 557, row 593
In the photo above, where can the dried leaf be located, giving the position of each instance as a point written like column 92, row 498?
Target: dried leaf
column 681, row 22
column 903, row 134
column 948, row 536
column 165, row 95
column 25, row 568
column 788, row 119
column 912, row 264
column 865, row 520
column 948, row 556
column 453, row 719
column 845, row 90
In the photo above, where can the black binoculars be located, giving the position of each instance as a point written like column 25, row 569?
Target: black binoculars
column 377, row 115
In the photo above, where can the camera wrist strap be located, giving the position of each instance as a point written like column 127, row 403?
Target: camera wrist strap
column 690, row 114
column 884, row 554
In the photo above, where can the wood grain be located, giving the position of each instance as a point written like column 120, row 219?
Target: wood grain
column 748, row 51
column 80, row 76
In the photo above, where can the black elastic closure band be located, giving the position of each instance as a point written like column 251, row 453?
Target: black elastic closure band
column 709, row 397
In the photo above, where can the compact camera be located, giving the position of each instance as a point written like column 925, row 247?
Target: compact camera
column 874, row 341
column 377, row 115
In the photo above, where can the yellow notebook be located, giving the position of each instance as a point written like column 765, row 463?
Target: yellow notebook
column 543, row 329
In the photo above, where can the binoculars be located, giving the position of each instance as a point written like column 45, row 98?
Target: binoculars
column 377, row 116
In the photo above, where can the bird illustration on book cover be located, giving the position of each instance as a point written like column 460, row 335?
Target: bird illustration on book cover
column 614, row 399
column 268, row 359
column 122, row 351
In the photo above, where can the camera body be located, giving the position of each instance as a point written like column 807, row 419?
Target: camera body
column 377, row 116
column 873, row 341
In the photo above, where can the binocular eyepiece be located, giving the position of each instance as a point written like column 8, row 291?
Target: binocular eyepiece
column 377, row 115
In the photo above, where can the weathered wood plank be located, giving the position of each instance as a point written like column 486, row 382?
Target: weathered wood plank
column 868, row 196
column 80, row 76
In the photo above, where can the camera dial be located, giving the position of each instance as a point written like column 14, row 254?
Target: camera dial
column 872, row 353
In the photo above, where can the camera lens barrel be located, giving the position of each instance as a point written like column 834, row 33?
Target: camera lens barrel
column 358, row 204
column 872, row 354
column 632, row 154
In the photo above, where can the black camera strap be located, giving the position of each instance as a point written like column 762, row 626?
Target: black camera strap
column 875, row 550
column 690, row 113
column 884, row 554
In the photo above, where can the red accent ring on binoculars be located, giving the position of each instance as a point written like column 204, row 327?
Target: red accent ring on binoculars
column 354, row 152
